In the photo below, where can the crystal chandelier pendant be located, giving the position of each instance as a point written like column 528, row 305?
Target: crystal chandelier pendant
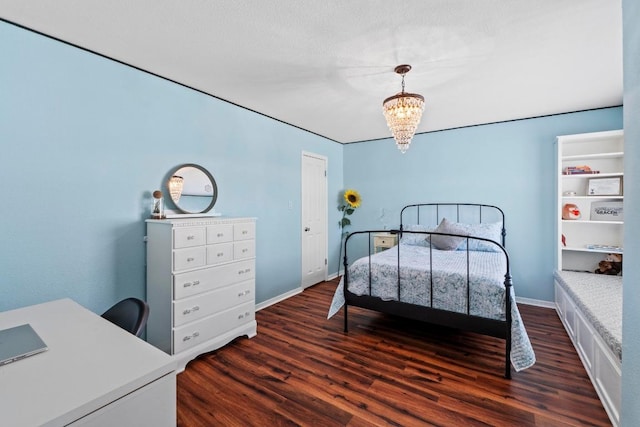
column 403, row 112
column 175, row 187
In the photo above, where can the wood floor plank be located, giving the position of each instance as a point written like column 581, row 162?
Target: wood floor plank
column 303, row 370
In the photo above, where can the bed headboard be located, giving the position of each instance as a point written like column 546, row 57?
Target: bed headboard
column 431, row 214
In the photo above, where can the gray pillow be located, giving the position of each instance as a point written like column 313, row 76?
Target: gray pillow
column 448, row 243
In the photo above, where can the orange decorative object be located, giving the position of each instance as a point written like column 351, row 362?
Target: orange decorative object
column 570, row 211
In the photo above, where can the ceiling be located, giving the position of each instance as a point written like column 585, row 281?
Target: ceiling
column 326, row 65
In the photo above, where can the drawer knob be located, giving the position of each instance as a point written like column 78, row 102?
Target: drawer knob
column 220, row 234
column 244, row 231
column 244, row 250
column 190, row 310
column 219, row 254
column 196, row 282
column 190, row 259
column 191, row 237
column 188, row 337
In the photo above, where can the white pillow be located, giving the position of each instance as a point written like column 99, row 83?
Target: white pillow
column 487, row 230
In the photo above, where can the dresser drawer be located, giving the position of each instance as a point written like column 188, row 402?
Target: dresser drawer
column 244, row 249
column 208, row 279
column 222, row 252
column 244, row 231
column 185, row 259
column 188, row 237
column 202, row 305
column 219, row 233
column 202, row 330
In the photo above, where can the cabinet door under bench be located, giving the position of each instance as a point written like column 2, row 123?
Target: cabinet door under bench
column 200, row 284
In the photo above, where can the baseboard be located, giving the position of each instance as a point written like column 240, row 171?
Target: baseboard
column 293, row 292
column 536, row 302
column 278, row 298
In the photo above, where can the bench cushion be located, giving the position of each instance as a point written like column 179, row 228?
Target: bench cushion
column 599, row 298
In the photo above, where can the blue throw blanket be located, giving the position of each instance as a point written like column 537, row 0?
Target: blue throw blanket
column 486, row 274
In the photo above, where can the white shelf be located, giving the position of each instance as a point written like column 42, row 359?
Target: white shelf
column 603, row 152
column 593, row 197
column 600, row 251
column 593, row 175
column 587, row 221
column 596, row 156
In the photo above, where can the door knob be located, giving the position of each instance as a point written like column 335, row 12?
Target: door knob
column 307, row 229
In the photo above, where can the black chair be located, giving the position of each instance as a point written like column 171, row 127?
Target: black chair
column 130, row 314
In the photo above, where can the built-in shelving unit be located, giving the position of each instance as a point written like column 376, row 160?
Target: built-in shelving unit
column 602, row 152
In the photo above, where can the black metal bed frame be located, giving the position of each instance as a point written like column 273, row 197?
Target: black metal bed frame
column 462, row 321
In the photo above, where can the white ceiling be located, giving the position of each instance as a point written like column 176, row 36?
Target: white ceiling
column 326, row 65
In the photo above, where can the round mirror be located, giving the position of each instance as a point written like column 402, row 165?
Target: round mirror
column 192, row 189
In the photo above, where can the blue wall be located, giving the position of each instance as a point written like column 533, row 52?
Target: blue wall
column 631, row 314
column 85, row 140
column 511, row 165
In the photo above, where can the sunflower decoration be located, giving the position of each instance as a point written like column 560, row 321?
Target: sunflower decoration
column 352, row 201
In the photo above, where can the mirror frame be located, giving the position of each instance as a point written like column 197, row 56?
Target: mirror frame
column 214, row 198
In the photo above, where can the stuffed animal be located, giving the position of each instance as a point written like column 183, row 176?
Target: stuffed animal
column 570, row 211
column 610, row 265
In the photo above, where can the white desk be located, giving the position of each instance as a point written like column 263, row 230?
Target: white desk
column 94, row 373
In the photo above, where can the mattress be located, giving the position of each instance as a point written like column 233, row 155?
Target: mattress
column 485, row 282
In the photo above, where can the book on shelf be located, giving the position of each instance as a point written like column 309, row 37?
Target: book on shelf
column 579, row 170
column 613, row 248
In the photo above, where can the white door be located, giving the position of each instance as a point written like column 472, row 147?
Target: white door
column 314, row 219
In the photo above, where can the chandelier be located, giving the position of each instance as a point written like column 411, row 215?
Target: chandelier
column 403, row 112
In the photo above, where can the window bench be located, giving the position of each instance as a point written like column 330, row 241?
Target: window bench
column 590, row 307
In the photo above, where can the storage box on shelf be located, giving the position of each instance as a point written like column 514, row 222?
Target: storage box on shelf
column 200, row 284
column 587, row 238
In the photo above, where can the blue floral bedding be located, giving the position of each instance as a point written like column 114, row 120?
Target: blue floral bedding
column 486, row 275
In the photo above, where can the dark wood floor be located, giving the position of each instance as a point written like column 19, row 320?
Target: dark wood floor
column 302, row 369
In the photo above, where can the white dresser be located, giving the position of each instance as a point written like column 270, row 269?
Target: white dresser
column 200, row 284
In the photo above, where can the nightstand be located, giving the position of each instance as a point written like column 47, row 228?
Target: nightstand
column 382, row 241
